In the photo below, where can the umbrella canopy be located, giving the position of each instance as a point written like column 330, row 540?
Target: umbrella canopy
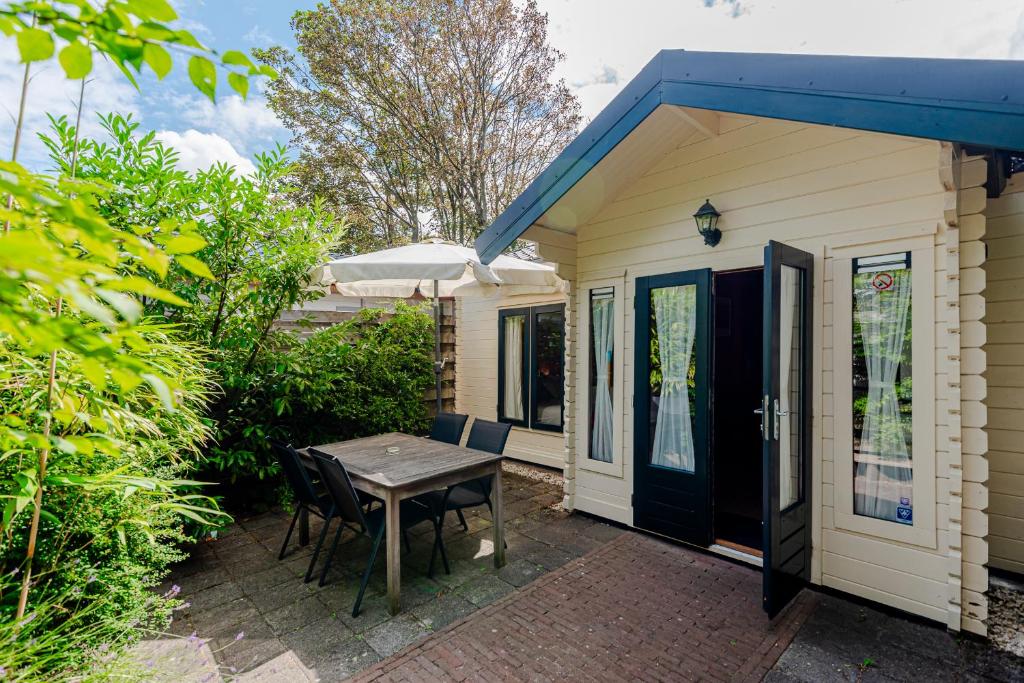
column 401, row 271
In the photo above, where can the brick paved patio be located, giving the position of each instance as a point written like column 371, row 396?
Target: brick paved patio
column 636, row 609
column 297, row 631
column 578, row 600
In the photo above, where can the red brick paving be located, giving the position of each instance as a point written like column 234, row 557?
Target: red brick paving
column 634, row 609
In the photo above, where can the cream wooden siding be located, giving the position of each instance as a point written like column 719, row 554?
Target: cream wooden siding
column 476, row 382
column 818, row 189
column 1004, row 318
column 966, row 414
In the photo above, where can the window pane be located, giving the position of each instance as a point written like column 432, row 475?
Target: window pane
column 790, row 384
column 550, row 327
column 512, row 398
column 673, row 329
column 602, row 378
column 882, row 388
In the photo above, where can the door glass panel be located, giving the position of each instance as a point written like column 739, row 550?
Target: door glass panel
column 787, row 413
column 602, row 378
column 550, row 354
column 512, row 401
column 673, row 328
column 882, row 388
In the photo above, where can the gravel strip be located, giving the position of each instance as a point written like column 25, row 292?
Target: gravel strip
column 1006, row 615
column 535, row 473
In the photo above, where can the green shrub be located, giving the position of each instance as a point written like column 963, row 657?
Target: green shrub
column 361, row 377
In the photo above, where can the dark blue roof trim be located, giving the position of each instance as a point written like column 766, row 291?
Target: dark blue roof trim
column 976, row 102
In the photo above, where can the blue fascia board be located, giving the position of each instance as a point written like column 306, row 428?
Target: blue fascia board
column 951, row 121
column 973, row 102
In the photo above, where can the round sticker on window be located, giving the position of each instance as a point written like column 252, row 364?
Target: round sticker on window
column 882, row 281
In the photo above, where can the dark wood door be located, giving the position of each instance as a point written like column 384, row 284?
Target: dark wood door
column 671, row 405
column 786, row 423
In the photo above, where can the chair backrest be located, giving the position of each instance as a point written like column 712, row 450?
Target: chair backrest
column 488, row 436
column 295, row 472
column 448, row 427
column 339, row 485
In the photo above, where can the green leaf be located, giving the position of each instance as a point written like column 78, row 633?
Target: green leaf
column 158, row 58
column 35, row 45
column 239, row 83
column 159, row 10
column 236, row 58
column 194, row 266
column 267, row 71
column 204, row 75
column 184, row 244
column 76, row 58
column 161, row 389
column 128, row 307
column 144, row 287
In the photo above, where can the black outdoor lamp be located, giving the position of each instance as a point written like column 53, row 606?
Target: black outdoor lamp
column 707, row 223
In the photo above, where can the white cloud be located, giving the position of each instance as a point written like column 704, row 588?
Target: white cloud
column 199, row 151
column 50, row 92
column 602, row 36
column 1017, row 40
column 258, row 36
column 248, row 124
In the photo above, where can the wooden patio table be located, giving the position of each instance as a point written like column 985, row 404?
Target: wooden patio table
column 421, row 465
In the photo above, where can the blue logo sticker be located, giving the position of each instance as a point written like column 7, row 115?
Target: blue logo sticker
column 904, row 501
column 905, row 514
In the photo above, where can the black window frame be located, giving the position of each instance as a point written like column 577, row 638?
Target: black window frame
column 529, row 367
column 502, row 315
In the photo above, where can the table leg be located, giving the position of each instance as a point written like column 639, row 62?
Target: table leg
column 394, row 551
column 303, row 527
column 498, row 502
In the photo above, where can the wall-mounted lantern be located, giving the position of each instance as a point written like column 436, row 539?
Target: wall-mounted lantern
column 707, row 223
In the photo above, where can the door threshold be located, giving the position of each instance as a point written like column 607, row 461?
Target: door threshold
column 737, row 552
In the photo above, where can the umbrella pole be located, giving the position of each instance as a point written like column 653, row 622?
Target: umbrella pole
column 437, row 348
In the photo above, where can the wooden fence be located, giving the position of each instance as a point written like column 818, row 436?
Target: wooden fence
column 303, row 323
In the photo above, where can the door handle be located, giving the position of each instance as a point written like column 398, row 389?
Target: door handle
column 775, row 422
column 763, row 411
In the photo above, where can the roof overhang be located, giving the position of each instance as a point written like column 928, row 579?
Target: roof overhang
column 973, row 102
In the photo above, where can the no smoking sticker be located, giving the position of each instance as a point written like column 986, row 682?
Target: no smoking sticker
column 882, row 281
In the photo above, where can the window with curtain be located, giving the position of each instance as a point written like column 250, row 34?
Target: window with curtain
column 602, row 379
column 531, row 352
column 513, row 385
column 673, row 368
column 882, row 388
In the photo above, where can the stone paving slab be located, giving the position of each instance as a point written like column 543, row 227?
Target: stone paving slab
column 291, row 630
column 636, row 608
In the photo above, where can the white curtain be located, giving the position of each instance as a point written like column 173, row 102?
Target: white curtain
column 883, row 469
column 513, row 398
column 602, row 321
column 675, row 315
column 789, row 307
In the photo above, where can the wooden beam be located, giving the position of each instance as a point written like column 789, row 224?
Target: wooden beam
column 704, row 120
column 547, row 236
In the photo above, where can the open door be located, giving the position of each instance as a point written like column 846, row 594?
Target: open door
column 671, row 405
column 786, row 423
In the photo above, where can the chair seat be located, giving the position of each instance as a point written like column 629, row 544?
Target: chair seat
column 410, row 513
column 460, row 497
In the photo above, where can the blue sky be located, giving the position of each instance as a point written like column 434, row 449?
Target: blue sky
column 605, row 42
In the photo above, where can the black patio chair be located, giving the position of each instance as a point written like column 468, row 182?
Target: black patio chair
column 448, row 427
column 306, row 496
column 373, row 524
column 484, row 435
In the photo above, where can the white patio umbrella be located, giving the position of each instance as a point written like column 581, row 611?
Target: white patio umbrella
column 436, row 268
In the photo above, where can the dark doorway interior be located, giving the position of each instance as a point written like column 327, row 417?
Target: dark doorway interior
column 736, row 458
